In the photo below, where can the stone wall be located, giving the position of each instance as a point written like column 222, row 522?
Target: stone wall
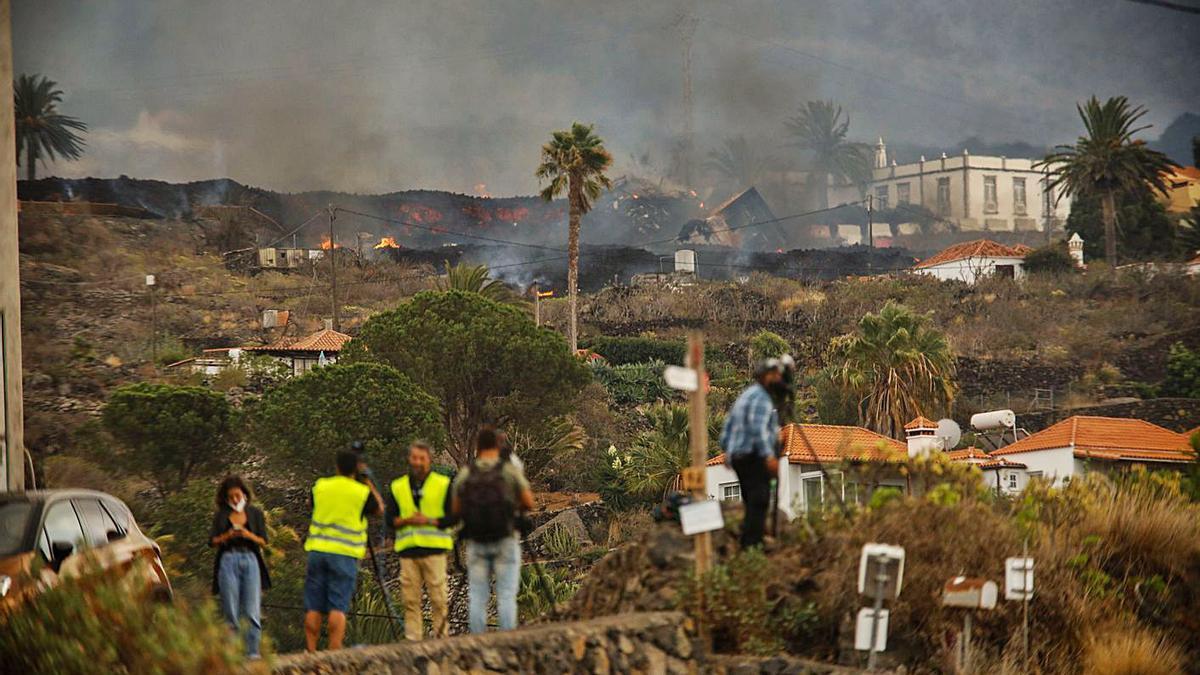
column 988, row 377
column 1176, row 414
column 657, row 642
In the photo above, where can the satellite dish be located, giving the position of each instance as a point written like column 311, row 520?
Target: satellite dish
column 948, row 433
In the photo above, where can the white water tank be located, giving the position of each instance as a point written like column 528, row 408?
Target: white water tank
column 685, row 261
column 996, row 419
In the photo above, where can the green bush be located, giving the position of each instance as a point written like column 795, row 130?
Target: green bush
column 105, row 622
column 767, row 345
column 634, row 383
column 1049, row 259
column 1183, row 372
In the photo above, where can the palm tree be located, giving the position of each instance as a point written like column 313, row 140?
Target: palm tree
column 896, row 366
column 735, row 161
column 574, row 160
column 42, row 131
column 476, row 279
column 658, row 455
column 820, row 129
column 1107, row 161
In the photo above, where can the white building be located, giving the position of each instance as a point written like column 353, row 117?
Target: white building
column 802, row 484
column 975, row 192
column 974, row 260
column 1080, row 444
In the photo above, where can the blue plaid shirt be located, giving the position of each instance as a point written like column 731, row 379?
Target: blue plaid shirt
column 752, row 425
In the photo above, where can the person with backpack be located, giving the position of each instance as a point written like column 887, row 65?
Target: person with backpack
column 487, row 495
column 419, row 510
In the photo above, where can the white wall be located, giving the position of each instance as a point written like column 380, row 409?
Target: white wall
column 1056, row 465
column 971, row 270
column 715, row 477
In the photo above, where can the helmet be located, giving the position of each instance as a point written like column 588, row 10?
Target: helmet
column 767, row 365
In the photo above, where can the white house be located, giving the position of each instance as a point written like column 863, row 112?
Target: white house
column 308, row 352
column 975, row 192
column 1080, row 444
column 973, row 260
column 802, row 484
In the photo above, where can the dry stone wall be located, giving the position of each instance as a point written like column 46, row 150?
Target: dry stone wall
column 651, row 643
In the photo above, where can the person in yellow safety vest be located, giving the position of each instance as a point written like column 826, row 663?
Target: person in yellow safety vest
column 336, row 542
column 418, row 506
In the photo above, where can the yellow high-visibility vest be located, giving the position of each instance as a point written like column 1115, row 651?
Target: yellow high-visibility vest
column 338, row 525
column 433, row 504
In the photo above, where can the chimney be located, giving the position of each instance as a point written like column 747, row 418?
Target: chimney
column 328, row 324
column 921, row 435
column 1075, row 248
column 685, row 261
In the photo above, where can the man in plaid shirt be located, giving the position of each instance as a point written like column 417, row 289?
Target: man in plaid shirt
column 748, row 439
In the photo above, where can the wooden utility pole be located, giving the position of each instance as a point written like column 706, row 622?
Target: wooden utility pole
column 698, row 441
column 537, row 306
column 337, row 324
column 12, row 446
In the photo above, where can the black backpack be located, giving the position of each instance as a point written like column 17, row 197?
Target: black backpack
column 488, row 504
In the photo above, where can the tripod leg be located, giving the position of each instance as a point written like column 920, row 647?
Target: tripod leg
column 387, row 598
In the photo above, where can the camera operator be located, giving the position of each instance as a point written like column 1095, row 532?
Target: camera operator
column 336, row 542
column 749, row 440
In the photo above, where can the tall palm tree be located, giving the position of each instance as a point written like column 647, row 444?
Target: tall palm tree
column 896, row 366
column 574, row 161
column 42, row 131
column 1107, row 160
column 820, row 129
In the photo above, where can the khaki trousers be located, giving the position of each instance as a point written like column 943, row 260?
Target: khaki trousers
column 428, row 571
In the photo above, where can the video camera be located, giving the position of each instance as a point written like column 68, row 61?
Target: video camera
column 364, row 472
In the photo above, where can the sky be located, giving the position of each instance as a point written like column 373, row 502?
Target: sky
column 374, row 96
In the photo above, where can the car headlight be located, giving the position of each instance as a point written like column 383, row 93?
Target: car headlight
column 5, row 584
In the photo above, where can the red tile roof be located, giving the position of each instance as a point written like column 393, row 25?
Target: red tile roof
column 827, row 443
column 1191, row 172
column 328, row 340
column 1108, row 438
column 1000, row 463
column 980, row 248
column 967, row 454
column 921, row 422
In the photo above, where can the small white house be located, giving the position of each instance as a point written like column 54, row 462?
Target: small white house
column 1080, row 444
column 802, row 483
column 308, row 352
column 975, row 260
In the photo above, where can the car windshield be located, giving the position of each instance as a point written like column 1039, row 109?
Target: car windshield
column 14, row 521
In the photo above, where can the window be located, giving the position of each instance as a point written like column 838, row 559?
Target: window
column 881, row 197
column 990, row 203
column 1012, row 480
column 1019, row 196
column 813, row 493
column 14, row 523
column 96, row 521
column 731, row 492
column 1006, row 271
column 62, row 525
column 904, row 193
column 943, row 196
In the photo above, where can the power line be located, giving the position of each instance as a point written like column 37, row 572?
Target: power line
column 1190, row 9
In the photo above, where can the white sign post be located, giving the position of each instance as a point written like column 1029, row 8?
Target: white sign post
column 880, row 575
column 700, row 517
column 1018, row 585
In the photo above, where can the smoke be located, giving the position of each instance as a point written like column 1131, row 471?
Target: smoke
column 449, row 94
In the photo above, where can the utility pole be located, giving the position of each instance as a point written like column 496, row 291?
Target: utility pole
column 698, row 441
column 537, row 305
column 150, row 284
column 12, row 444
column 870, row 233
column 337, row 324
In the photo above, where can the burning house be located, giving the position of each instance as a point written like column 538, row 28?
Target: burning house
column 729, row 225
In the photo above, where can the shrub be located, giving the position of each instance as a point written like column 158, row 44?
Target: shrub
column 105, row 622
column 1183, row 372
column 766, row 345
column 634, row 383
column 1049, row 259
column 1131, row 651
column 621, row 350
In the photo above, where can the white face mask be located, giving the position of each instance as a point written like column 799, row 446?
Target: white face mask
column 239, row 505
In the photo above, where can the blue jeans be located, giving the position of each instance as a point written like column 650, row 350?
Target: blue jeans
column 240, row 589
column 501, row 559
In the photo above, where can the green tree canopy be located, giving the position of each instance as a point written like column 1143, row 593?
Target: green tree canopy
column 480, row 357
column 766, row 345
column 894, row 367
column 168, row 433
column 476, row 279
column 1053, row 258
column 302, row 423
column 821, row 131
column 1145, row 229
column 42, row 131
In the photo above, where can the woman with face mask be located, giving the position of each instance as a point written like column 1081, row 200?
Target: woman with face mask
column 239, row 533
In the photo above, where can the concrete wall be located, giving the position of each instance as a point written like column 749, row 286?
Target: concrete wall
column 658, row 642
column 971, row 270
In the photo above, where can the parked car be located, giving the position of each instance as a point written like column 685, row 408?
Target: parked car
column 45, row 535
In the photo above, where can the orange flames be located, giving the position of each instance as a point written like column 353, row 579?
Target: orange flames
column 326, row 245
column 387, row 242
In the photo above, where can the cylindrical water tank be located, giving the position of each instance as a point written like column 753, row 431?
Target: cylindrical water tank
column 685, row 261
column 996, row 419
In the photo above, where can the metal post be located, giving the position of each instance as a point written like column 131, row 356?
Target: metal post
column 966, row 641
column 698, row 441
column 1025, row 604
column 881, row 580
column 153, row 330
column 870, row 234
column 337, row 324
